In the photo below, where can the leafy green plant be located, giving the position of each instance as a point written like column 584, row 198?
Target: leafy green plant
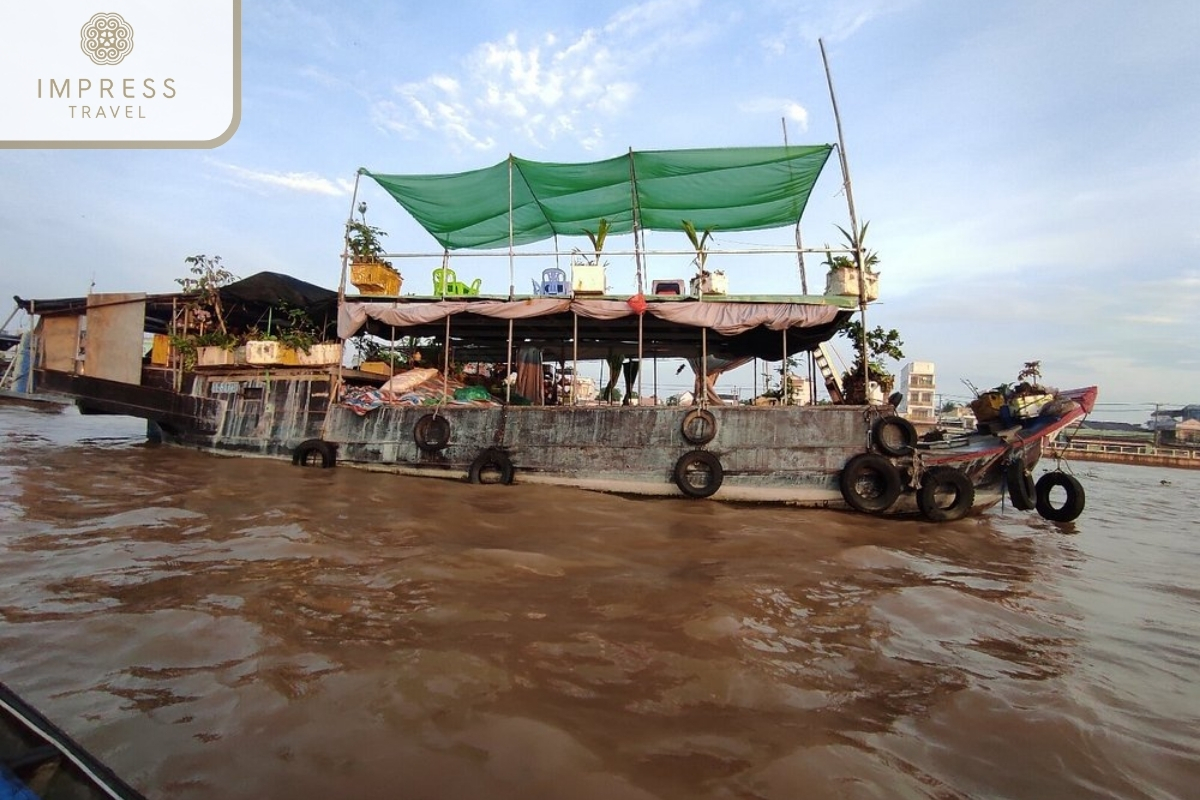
column 188, row 345
column 597, row 239
column 854, row 244
column 363, row 241
column 288, row 325
column 297, row 329
column 1029, row 380
column 699, row 242
column 201, row 320
column 399, row 355
column 881, row 344
column 207, row 276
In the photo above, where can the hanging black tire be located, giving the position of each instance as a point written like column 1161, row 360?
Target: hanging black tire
column 1019, row 481
column 699, row 426
column 314, row 452
column 492, row 466
column 1071, row 508
column 431, row 433
column 699, row 473
column 870, row 483
column 946, row 494
column 893, row 436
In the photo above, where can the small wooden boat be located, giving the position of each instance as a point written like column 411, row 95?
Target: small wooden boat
column 40, row 761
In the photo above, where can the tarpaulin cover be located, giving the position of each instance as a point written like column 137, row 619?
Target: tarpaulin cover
column 519, row 201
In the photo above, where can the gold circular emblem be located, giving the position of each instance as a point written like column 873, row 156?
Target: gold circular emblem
column 106, row 38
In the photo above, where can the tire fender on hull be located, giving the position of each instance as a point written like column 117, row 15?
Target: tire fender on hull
column 1071, row 508
column 870, row 483
column 431, row 433
column 702, row 465
column 946, row 494
column 699, row 426
column 492, row 466
column 893, row 436
column 1021, row 490
column 310, row 451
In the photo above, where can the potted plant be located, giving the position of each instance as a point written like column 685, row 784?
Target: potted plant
column 199, row 334
column 386, row 358
column 1029, row 397
column 263, row 348
column 704, row 282
column 843, row 277
column 306, row 337
column 881, row 344
column 213, row 348
column 370, row 273
column 291, row 337
column 587, row 274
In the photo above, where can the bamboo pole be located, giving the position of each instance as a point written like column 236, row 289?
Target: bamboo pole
column 859, row 257
column 511, row 255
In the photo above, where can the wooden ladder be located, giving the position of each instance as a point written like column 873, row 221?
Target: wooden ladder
column 833, row 383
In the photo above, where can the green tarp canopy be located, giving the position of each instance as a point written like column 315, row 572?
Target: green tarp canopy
column 722, row 189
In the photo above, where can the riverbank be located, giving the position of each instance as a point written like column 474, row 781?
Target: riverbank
column 1114, row 452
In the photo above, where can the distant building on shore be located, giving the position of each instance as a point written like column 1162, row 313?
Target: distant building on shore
column 1188, row 431
column 917, row 388
column 1165, row 419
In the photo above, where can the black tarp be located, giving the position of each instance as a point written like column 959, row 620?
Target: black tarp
column 250, row 302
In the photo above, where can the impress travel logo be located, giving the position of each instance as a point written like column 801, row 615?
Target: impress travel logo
column 107, row 39
column 129, row 74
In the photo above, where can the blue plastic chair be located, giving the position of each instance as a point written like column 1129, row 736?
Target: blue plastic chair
column 554, row 282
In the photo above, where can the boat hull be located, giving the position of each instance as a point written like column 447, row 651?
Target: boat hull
column 38, row 759
column 791, row 454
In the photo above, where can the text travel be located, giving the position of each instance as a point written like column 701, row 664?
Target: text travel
column 106, row 112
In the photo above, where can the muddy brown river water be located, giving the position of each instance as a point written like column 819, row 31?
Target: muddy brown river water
column 237, row 628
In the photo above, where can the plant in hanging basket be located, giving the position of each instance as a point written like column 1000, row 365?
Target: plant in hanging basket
column 369, row 271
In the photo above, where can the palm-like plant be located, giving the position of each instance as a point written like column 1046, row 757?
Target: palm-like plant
column 699, row 242
column 597, row 238
column 855, row 245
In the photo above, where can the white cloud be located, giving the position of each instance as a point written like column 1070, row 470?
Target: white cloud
column 558, row 86
column 831, row 22
column 303, row 182
column 1149, row 319
column 650, row 17
column 789, row 109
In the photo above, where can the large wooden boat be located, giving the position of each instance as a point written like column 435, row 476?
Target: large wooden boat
column 443, row 418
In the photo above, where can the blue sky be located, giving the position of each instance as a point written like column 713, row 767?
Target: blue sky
column 1030, row 170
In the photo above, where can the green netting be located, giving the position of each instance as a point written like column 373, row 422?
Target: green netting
column 726, row 189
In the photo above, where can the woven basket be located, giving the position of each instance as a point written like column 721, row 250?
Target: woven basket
column 375, row 278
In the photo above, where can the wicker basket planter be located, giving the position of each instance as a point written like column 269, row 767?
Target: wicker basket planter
column 375, row 278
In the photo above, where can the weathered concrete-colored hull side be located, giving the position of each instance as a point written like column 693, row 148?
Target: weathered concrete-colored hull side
column 267, row 415
column 789, row 455
column 777, row 454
